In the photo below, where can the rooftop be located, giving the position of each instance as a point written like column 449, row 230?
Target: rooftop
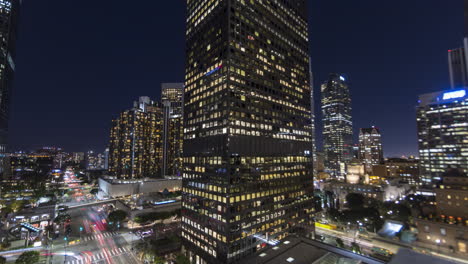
column 298, row 250
column 409, row 256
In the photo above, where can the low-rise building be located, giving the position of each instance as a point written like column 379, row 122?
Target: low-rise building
column 388, row 192
column 404, row 170
column 440, row 235
column 452, row 197
column 112, row 187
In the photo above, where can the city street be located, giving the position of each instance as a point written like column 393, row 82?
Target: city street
column 89, row 242
column 366, row 243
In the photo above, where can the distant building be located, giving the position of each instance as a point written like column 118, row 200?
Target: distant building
column 27, row 167
column 94, row 161
column 172, row 95
column 406, row 170
column 337, row 124
column 355, row 173
column 135, row 148
column 370, row 147
column 442, row 132
column 319, row 161
column 9, row 10
column 106, row 158
column 386, row 192
column 313, row 116
column 458, row 69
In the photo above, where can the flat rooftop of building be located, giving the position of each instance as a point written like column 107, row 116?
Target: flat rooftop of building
column 113, row 180
column 298, row 250
column 405, row 255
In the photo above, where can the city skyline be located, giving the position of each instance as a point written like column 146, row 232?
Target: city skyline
column 333, row 49
column 233, row 131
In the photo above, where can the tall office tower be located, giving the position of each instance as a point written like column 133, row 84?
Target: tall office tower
column 337, row 124
column 135, row 148
column 247, row 177
column 8, row 22
column 173, row 132
column 370, row 148
column 312, row 110
column 458, row 69
column 442, row 133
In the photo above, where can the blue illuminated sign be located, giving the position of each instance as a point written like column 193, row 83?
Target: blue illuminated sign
column 214, row 70
column 454, row 94
column 165, row 202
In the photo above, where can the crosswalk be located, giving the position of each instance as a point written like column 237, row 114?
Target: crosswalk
column 99, row 236
column 100, row 256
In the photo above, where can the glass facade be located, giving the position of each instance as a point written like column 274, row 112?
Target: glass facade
column 173, row 132
column 135, row 149
column 370, row 147
column 8, row 21
column 442, row 119
column 247, row 177
column 337, row 125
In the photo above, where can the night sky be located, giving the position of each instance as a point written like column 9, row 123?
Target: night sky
column 79, row 63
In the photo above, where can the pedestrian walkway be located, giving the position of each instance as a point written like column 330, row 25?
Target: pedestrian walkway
column 99, row 236
column 98, row 256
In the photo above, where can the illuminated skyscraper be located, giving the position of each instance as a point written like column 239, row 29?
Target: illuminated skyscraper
column 337, row 124
column 172, row 100
column 442, row 133
column 370, row 147
column 8, row 22
column 135, row 148
column 312, row 109
column 247, row 178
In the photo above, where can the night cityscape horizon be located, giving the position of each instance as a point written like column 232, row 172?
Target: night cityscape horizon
column 347, row 46
column 233, row 131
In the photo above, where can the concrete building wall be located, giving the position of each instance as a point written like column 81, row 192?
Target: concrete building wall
column 443, row 236
column 125, row 188
column 452, row 202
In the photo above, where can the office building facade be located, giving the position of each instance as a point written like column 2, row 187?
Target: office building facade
column 370, row 147
column 135, row 148
column 442, row 133
column 247, row 179
column 337, row 124
column 8, row 17
column 173, row 128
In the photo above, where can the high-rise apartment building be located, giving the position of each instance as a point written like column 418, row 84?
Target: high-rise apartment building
column 442, row 133
column 8, row 23
column 94, row 161
column 135, row 148
column 247, row 179
column 337, row 124
column 370, row 147
column 172, row 95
